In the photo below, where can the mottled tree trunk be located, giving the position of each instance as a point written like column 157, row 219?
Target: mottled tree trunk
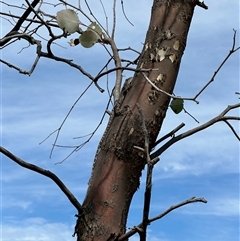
column 118, row 165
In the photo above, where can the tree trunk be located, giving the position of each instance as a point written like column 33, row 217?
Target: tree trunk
column 118, row 165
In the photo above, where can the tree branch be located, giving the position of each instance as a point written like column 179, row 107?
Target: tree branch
column 202, row 5
column 148, row 188
column 166, row 93
column 45, row 173
column 233, row 50
column 173, row 207
column 170, row 134
column 220, row 117
column 138, row 228
column 20, row 22
column 122, row 69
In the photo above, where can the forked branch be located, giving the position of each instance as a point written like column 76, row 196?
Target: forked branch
column 220, row 117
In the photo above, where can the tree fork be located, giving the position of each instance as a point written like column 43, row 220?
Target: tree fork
column 118, row 165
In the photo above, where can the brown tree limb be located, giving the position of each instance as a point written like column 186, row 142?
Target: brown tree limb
column 148, row 187
column 19, row 22
column 170, row 134
column 173, row 207
column 202, row 5
column 40, row 19
column 220, row 117
column 138, row 228
column 45, row 173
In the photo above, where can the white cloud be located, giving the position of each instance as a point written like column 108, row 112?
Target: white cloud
column 37, row 229
column 217, row 206
column 11, row 202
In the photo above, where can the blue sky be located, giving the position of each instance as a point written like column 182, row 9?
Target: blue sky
column 204, row 165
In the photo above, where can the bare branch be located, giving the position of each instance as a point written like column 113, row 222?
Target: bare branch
column 21, row 71
column 40, row 19
column 173, row 207
column 31, row 41
column 45, row 173
column 125, row 13
column 233, row 50
column 162, row 91
column 30, row 19
column 202, row 5
column 20, row 22
column 232, row 129
column 170, row 134
column 220, row 117
column 105, row 13
column 114, row 19
column 148, row 188
column 190, row 115
column 117, row 87
column 121, row 68
column 90, row 11
column 77, row 147
column 72, row 64
column 60, row 127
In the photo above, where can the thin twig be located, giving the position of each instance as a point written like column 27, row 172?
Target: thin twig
column 29, row 19
column 78, row 147
column 105, row 13
column 190, row 115
column 64, row 120
column 122, row 69
column 125, row 13
column 166, row 93
column 114, row 19
column 232, row 129
column 233, row 50
column 170, row 134
column 90, row 11
column 40, row 19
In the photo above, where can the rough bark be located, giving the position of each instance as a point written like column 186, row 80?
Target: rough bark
column 118, row 165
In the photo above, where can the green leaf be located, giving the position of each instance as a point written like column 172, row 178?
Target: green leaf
column 177, row 105
column 88, row 38
column 68, row 21
column 95, row 28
